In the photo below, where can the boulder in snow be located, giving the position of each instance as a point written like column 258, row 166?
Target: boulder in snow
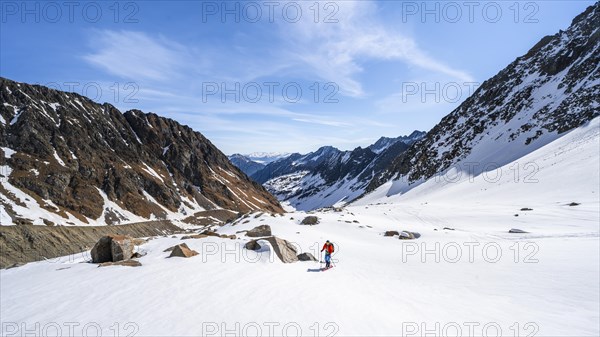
column 183, row 251
column 113, row 248
column 310, row 220
column 391, row 233
column 406, row 235
column 306, row 257
column 284, row 250
column 526, row 209
column 259, row 231
column 517, row 231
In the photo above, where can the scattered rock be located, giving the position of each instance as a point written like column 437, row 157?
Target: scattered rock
column 306, row 257
column 516, row 214
column 574, row 204
column 208, row 233
column 355, row 221
column 406, row 235
column 310, row 220
column 448, row 229
column 112, row 248
column 182, row 251
column 391, row 233
column 259, row 231
column 284, row 250
column 225, row 236
column 173, row 237
column 517, row 231
column 126, row 263
column 526, row 209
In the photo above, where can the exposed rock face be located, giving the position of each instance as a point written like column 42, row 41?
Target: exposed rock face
column 182, row 251
column 548, row 91
column 328, row 175
column 310, row 220
column 262, row 230
column 391, row 233
column 112, row 248
column 79, row 161
column 35, row 243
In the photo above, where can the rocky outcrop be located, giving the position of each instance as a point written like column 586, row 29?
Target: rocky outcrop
column 391, row 233
column 80, row 161
column 517, row 231
column 20, row 244
column 112, row 248
column 259, row 231
column 182, row 250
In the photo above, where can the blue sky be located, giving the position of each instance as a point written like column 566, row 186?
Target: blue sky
column 286, row 76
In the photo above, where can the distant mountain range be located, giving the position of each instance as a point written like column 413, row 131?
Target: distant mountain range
column 327, row 176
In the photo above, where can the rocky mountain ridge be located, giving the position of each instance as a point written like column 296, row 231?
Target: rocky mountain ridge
column 68, row 160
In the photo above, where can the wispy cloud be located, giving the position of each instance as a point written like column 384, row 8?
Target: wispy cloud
column 334, row 51
column 137, row 56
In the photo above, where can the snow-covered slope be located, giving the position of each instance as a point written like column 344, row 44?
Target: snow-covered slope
column 552, row 89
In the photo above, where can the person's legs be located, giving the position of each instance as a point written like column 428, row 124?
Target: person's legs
column 327, row 260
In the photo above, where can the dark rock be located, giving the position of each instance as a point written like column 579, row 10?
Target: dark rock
column 391, row 233
column 517, row 231
column 112, row 248
column 526, row 209
column 306, row 257
column 448, row 229
column 262, row 230
column 252, row 245
column 574, row 204
column 310, row 220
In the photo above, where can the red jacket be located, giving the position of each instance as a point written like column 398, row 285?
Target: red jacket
column 328, row 247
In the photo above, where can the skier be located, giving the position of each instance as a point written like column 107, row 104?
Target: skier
column 328, row 248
